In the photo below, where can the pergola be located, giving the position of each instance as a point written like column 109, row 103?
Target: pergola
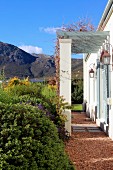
column 74, row 43
column 84, row 42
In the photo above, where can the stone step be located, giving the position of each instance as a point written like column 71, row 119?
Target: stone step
column 85, row 128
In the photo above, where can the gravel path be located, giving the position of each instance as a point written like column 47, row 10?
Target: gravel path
column 89, row 150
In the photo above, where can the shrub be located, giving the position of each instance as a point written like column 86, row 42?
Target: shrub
column 8, row 97
column 39, row 95
column 29, row 140
column 15, row 81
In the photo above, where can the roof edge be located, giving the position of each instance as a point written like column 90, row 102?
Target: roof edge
column 105, row 13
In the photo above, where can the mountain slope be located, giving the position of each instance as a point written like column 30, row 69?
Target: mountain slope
column 12, row 54
column 44, row 66
column 17, row 62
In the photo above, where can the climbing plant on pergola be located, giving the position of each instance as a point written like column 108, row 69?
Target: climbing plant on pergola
column 83, row 25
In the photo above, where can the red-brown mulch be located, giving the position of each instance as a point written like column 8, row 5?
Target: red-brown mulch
column 80, row 118
column 89, row 150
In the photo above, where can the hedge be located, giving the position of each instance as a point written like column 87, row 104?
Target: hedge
column 29, row 140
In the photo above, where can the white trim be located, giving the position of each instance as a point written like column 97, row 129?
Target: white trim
column 65, row 41
column 106, row 14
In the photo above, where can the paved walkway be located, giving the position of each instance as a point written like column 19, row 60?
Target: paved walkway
column 89, row 147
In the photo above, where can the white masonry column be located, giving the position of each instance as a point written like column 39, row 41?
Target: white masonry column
column 65, row 77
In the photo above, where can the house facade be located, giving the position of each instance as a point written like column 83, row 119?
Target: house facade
column 98, row 90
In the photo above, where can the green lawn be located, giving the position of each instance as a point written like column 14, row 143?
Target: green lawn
column 77, row 107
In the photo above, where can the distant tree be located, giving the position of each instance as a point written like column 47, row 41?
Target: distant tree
column 77, row 91
column 2, row 74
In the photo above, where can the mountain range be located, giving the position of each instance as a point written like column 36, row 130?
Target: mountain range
column 17, row 62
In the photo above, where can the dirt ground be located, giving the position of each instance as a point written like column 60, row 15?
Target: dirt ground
column 89, row 147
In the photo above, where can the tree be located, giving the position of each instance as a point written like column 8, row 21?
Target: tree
column 77, row 90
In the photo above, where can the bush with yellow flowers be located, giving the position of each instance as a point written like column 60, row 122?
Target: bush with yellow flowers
column 15, row 81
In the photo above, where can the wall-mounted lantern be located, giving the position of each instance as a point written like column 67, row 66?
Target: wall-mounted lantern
column 105, row 57
column 91, row 73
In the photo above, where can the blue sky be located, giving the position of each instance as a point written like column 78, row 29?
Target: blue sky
column 31, row 24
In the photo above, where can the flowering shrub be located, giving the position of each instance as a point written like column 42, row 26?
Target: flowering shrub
column 39, row 95
column 15, row 81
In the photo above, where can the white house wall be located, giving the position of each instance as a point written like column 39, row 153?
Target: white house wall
column 109, row 27
column 91, row 95
column 90, row 86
